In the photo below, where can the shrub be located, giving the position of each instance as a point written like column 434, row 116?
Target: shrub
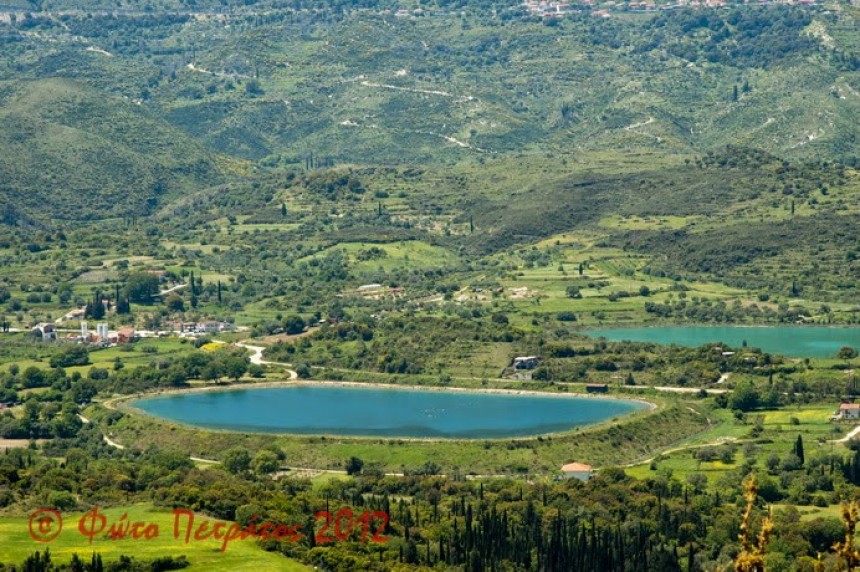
column 573, row 292
column 71, row 356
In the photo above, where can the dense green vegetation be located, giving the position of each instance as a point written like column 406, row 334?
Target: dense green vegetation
column 672, row 524
column 417, row 198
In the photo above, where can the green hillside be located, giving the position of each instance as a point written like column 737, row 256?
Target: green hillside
column 358, row 85
column 87, row 155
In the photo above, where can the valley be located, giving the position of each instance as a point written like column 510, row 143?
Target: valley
column 544, row 286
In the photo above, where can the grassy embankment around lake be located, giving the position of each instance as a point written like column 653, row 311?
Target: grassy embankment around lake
column 613, row 442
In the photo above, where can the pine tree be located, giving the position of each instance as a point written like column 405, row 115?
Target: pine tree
column 219, row 291
column 95, row 309
column 123, row 306
column 76, row 564
column 283, row 210
column 798, row 449
column 96, row 564
column 735, row 93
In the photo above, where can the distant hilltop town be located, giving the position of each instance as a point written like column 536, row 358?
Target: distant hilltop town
column 549, row 9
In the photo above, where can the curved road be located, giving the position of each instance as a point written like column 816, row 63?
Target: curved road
column 257, row 359
column 851, row 434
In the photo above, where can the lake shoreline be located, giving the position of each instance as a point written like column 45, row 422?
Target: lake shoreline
column 360, row 384
column 126, row 404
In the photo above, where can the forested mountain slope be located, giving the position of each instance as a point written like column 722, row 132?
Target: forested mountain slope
column 284, row 86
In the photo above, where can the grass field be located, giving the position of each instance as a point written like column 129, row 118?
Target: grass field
column 131, row 356
column 240, row 555
column 781, row 428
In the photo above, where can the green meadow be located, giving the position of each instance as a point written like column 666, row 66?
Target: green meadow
column 206, row 554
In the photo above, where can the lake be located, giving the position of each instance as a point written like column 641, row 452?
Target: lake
column 382, row 412
column 786, row 340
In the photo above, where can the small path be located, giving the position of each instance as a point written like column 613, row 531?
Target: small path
column 418, row 90
column 194, row 68
column 257, row 359
column 174, row 289
column 105, row 438
column 640, row 124
column 77, row 312
column 691, row 390
column 113, row 443
column 679, row 389
column 723, row 378
column 99, row 51
column 851, row 434
column 701, row 414
column 720, row 441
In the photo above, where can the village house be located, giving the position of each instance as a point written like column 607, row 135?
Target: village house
column 579, row 471
column 209, row 327
column 849, row 411
column 126, row 335
column 46, row 331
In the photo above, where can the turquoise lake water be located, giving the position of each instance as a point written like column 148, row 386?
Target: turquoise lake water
column 311, row 410
column 789, row 341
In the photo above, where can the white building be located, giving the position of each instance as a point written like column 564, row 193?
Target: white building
column 579, row 471
column 47, row 332
column 849, row 410
column 103, row 332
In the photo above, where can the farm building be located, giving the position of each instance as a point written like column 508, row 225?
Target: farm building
column 579, row 471
column 849, row 410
